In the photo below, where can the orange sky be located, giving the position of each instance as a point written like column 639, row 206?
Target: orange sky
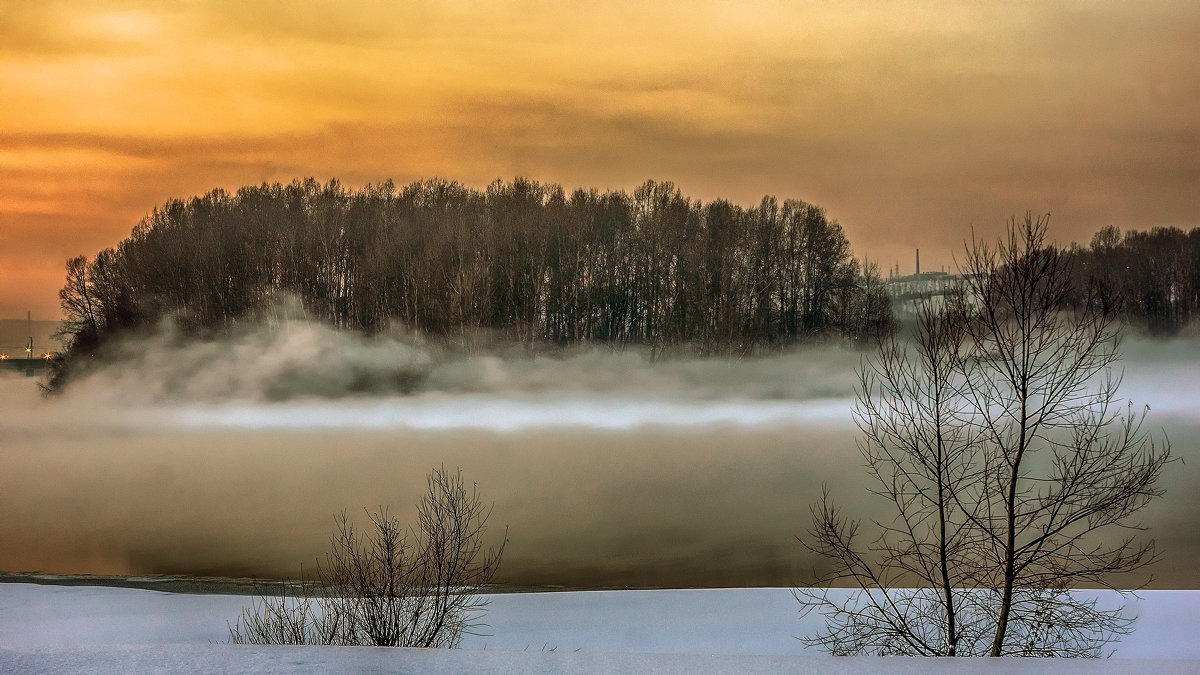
column 910, row 124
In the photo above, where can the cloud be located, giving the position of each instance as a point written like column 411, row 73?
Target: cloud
column 909, row 124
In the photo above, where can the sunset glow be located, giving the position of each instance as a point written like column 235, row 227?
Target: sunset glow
column 909, row 122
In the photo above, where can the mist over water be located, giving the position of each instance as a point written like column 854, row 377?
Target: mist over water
column 230, row 458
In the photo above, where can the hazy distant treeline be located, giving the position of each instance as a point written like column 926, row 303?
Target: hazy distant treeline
column 525, row 260
column 1155, row 274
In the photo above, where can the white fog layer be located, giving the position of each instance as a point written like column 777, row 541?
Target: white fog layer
column 609, row 469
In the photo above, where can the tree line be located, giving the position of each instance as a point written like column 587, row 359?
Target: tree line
column 1154, row 275
column 523, row 259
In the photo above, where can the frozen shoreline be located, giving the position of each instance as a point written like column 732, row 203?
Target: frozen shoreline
column 48, row 628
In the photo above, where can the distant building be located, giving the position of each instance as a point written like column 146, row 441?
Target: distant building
column 906, row 292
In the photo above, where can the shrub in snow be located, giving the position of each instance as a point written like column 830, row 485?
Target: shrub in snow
column 393, row 586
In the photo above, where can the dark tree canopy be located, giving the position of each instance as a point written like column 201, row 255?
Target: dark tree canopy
column 523, row 259
column 1155, row 273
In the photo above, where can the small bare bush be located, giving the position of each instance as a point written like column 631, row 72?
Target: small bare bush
column 391, row 586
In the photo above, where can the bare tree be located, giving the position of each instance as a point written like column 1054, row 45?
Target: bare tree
column 912, row 410
column 75, row 298
column 392, row 586
column 1014, row 472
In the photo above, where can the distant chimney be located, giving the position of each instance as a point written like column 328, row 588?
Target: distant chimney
column 918, row 261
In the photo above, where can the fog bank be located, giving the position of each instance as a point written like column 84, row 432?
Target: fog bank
column 230, row 459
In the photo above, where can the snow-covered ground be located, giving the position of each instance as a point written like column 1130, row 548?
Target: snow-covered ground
column 101, row 629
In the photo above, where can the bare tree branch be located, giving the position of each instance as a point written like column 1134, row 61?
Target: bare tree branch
column 996, row 433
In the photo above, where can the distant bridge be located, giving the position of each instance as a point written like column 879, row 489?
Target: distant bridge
column 24, row 366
